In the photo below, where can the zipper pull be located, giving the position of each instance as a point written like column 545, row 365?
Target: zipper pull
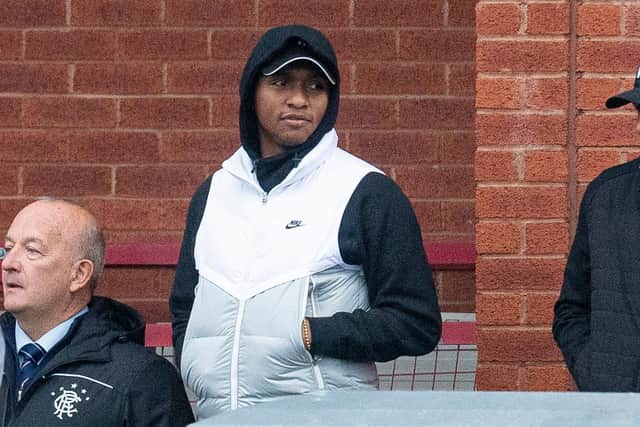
column 265, row 198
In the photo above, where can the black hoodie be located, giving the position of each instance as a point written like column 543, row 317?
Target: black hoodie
column 379, row 232
column 102, row 362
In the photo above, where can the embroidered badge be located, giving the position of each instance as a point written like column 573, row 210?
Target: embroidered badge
column 65, row 403
column 294, row 223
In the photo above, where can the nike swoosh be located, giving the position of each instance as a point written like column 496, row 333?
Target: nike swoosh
column 290, row 226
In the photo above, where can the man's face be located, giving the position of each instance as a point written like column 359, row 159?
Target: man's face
column 37, row 270
column 290, row 105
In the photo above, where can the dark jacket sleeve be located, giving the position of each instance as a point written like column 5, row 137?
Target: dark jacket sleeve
column 379, row 231
column 186, row 278
column 572, row 311
column 158, row 398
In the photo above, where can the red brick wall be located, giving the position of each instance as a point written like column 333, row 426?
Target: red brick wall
column 126, row 106
column 544, row 72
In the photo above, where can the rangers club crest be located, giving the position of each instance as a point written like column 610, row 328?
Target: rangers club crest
column 66, row 401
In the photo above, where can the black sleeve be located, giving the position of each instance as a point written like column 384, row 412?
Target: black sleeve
column 158, row 398
column 186, row 278
column 572, row 311
column 379, row 231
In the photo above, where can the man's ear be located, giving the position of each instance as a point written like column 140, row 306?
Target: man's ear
column 81, row 273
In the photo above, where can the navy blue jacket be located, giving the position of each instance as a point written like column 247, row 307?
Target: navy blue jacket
column 597, row 317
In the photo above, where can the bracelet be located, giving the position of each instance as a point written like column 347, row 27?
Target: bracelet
column 306, row 334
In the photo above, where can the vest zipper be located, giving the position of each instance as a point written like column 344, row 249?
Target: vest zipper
column 314, row 361
column 234, row 357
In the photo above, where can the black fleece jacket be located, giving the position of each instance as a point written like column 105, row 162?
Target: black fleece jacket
column 379, row 232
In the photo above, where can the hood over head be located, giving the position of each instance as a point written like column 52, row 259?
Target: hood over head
column 630, row 96
column 277, row 48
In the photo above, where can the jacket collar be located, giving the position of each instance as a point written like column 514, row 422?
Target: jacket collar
column 241, row 165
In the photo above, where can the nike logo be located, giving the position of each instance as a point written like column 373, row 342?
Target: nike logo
column 294, row 223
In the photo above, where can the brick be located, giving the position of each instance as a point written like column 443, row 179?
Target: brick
column 521, row 56
column 546, row 94
column 548, row 18
column 164, row 44
column 458, row 147
column 499, row 19
column 195, row 147
column 10, row 45
column 443, row 113
column 462, row 13
column 10, row 175
column 225, row 111
column 9, row 208
column 592, row 162
column 118, row 78
column 126, row 214
column 458, row 286
column 498, row 308
column 30, row 78
column 437, row 45
column 69, row 112
column 598, row 19
column 462, row 79
column 607, row 56
column 496, row 166
column 545, row 166
column 10, row 112
column 521, row 129
column 66, row 181
column 547, row 238
column 436, row 182
column 377, row 114
column 429, row 214
column 311, row 12
column 591, row 93
column 540, row 308
column 538, row 274
column 115, row 13
column 517, row 345
column 606, row 130
column 393, row 148
column 631, row 20
column 32, row 13
column 225, row 13
column 521, row 202
column 27, row 146
column 548, row 378
column 494, row 377
column 70, row 45
column 164, row 113
column 458, row 216
column 158, row 181
column 408, row 79
column 136, row 282
column 498, row 238
column 499, row 93
column 231, row 45
column 204, row 77
column 398, row 13
column 113, row 147
column 363, row 45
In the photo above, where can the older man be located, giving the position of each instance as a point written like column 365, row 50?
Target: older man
column 72, row 358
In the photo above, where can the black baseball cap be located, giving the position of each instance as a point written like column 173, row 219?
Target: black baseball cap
column 630, row 96
column 298, row 51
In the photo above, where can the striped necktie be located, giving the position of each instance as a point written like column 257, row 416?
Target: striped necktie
column 30, row 355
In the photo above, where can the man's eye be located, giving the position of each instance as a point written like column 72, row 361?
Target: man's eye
column 32, row 251
column 317, row 86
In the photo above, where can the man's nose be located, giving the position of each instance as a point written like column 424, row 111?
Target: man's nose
column 297, row 96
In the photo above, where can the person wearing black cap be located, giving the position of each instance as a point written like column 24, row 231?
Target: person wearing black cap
column 597, row 316
column 301, row 265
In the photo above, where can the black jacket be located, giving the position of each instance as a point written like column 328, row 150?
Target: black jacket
column 98, row 375
column 597, row 317
column 379, row 231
